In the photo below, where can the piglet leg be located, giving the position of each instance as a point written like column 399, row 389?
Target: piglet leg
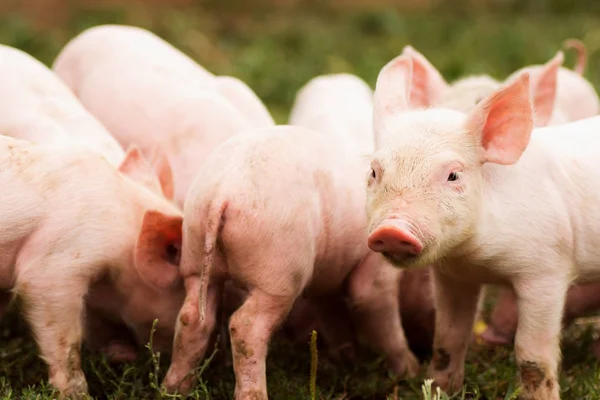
column 192, row 334
column 540, row 300
column 456, row 305
column 373, row 288
column 250, row 329
column 54, row 310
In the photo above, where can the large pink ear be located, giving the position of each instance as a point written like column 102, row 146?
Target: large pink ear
column 427, row 84
column 503, row 122
column 544, row 89
column 579, row 47
column 158, row 249
column 139, row 169
column 391, row 90
column 162, row 167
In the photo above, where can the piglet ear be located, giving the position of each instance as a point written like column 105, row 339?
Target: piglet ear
column 158, row 249
column 427, row 84
column 162, row 167
column 544, row 89
column 139, row 169
column 391, row 91
column 503, row 122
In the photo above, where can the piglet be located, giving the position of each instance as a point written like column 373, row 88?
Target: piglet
column 486, row 201
column 149, row 94
column 74, row 227
column 278, row 212
column 341, row 106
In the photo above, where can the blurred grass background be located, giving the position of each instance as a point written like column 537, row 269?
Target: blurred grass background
column 276, row 46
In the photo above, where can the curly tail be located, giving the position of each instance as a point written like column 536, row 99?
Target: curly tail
column 579, row 47
column 210, row 230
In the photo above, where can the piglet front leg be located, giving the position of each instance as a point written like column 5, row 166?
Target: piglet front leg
column 456, row 306
column 540, row 301
column 54, row 307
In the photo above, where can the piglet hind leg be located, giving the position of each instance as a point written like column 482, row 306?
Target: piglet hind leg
column 250, row 329
column 192, row 334
column 540, row 300
column 55, row 312
column 373, row 289
column 456, row 305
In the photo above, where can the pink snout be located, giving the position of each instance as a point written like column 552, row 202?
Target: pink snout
column 394, row 237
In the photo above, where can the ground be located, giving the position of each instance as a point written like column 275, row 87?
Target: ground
column 276, row 52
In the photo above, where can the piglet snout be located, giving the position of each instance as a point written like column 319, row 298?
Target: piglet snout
column 394, row 237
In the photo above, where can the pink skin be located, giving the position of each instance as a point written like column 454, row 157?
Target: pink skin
column 280, row 230
column 117, row 73
column 115, row 241
column 460, row 184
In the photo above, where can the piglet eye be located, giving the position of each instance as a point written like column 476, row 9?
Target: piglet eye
column 453, row 177
column 375, row 173
column 478, row 100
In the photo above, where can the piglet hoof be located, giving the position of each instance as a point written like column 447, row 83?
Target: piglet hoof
column 174, row 384
column 77, row 391
column 119, row 353
column 406, row 366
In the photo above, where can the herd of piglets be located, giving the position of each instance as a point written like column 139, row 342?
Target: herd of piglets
column 144, row 187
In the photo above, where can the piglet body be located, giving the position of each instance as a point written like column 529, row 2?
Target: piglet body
column 278, row 212
column 340, row 106
column 488, row 202
column 150, row 94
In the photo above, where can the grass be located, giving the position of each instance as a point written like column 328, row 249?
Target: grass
column 276, row 51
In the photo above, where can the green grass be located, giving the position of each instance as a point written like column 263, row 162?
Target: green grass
column 276, row 52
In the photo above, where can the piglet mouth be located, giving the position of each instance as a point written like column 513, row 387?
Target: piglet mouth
column 397, row 258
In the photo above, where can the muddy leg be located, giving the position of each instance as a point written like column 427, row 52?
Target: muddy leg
column 456, row 307
column 540, row 301
column 251, row 328
column 192, row 334
column 56, row 320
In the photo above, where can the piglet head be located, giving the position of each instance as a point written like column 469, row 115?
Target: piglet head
column 426, row 175
column 152, row 286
